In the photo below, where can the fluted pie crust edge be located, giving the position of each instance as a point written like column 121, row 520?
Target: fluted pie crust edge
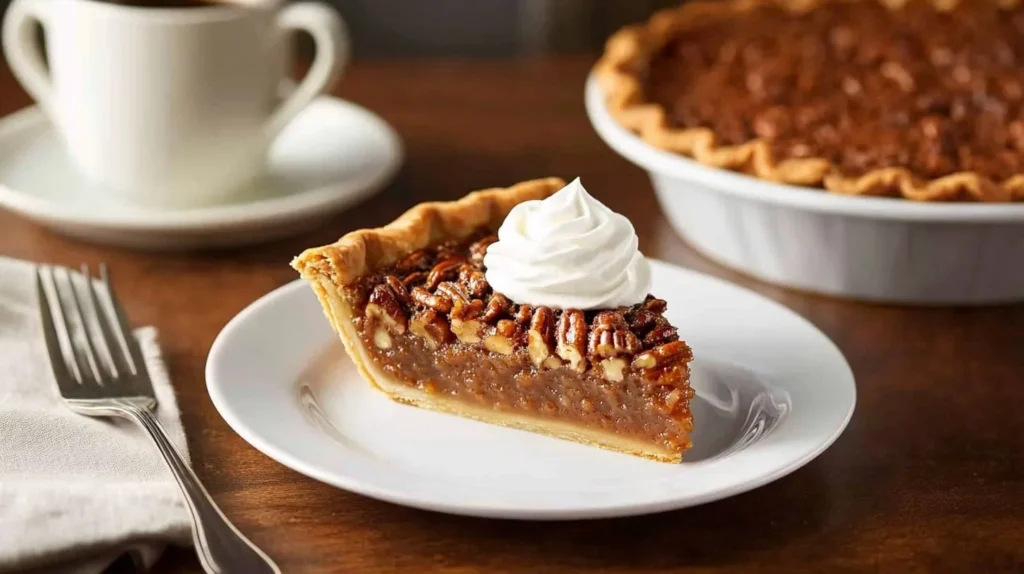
column 329, row 268
column 629, row 51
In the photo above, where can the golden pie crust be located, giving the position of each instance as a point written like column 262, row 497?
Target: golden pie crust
column 629, row 51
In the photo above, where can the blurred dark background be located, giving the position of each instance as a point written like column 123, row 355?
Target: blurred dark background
column 482, row 28
column 487, row 28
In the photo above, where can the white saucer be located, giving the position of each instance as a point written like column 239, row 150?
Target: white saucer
column 773, row 393
column 334, row 154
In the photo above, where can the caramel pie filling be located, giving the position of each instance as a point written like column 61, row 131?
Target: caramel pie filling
column 433, row 322
column 862, row 85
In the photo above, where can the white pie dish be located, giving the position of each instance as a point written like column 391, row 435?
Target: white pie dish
column 876, row 249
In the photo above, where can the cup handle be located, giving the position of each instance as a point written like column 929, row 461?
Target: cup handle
column 332, row 51
column 22, row 51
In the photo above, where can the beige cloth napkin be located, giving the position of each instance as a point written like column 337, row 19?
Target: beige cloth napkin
column 75, row 492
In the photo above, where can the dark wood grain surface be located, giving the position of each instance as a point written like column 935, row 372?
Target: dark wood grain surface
column 929, row 476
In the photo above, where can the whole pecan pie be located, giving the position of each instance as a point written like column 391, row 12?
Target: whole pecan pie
column 412, row 303
column 919, row 99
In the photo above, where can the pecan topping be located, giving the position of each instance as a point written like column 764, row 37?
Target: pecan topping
column 475, row 281
column 467, row 309
column 447, row 269
column 452, row 291
column 523, row 315
column 431, row 326
column 609, row 320
column 414, row 278
column 479, row 249
column 642, row 321
column 427, row 299
column 661, row 335
column 465, row 324
column 541, row 335
column 384, row 316
column 654, row 304
column 415, row 261
column 572, row 338
column 499, row 344
column 497, row 307
column 613, row 369
column 506, row 328
column 845, row 83
column 398, row 287
column 438, row 301
column 610, row 336
column 663, row 355
column 384, row 307
column 467, row 330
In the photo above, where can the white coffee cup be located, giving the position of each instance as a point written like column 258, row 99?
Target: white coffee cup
column 170, row 107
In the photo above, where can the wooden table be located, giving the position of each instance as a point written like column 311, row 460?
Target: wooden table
column 929, row 476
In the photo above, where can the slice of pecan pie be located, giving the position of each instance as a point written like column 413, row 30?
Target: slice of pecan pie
column 412, row 303
column 920, row 99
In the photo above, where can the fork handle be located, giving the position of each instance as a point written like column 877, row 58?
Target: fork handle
column 222, row 549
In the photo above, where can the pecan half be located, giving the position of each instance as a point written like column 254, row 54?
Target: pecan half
column 541, row 335
column 642, row 320
column 626, row 343
column 502, row 340
column 384, row 316
column 661, row 335
column 414, row 278
column 663, row 355
column 438, row 303
column 465, row 323
column 415, row 261
column 497, row 307
column 463, row 309
column 453, row 291
column 447, row 269
column 431, row 326
column 609, row 320
column 523, row 315
column 613, row 369
column 506, row 328
column 467, row 330
column 384, row 307
column 652, row 303
column 398, row 287
column 572, row 338
column 478, row 249
column 610, row 336
column 475, row 281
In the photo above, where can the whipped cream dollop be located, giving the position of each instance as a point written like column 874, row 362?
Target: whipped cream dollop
column 568, row 251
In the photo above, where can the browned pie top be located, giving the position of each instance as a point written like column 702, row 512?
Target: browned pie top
column 862, row 85
column 441, row 293
column 865, row 97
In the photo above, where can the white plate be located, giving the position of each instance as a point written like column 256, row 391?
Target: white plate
column 773, row 393
column 332, row 155
column 872, row 248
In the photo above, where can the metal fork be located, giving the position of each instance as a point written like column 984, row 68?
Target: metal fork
column 100, row 370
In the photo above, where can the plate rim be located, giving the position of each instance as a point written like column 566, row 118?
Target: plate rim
column 259, row 212
column 519, row 512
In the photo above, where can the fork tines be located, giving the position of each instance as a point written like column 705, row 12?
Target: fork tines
column 87, row 335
